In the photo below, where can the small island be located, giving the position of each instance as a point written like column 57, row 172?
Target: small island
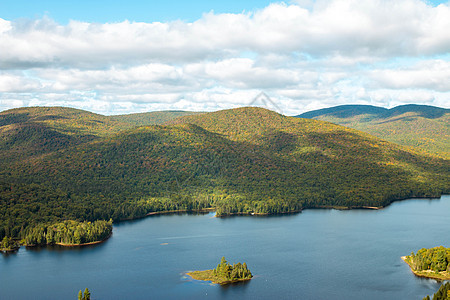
column 430, row 263
column 224, row 273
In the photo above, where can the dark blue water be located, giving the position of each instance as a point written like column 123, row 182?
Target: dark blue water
column 317, row 254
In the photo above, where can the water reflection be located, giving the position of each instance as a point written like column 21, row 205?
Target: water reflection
column 59, row 248
column 235, row 288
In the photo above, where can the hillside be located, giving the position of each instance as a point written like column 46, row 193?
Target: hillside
column 26, row 132
column 421, row 126
column 151, row 118
column 246, row 160
column 65, row 120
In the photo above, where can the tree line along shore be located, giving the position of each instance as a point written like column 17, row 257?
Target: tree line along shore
column 67, row 233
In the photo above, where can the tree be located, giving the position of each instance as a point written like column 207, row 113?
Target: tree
column 87, row 294
column 8, row 244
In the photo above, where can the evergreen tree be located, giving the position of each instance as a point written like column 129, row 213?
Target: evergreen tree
column 80, row 295
column 87, row 294
column 232, row 272
column 442, row 294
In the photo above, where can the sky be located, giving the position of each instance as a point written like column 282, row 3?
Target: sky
column 118, row 57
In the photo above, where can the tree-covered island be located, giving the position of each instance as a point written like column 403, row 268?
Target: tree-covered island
column 224, row 273
column 431, row 263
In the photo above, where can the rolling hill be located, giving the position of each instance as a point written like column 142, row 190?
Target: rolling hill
column 421, row 126
column 30, row 131
column 238, row 161
column 152, row 118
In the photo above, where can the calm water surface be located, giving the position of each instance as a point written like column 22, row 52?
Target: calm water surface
column 317, row 254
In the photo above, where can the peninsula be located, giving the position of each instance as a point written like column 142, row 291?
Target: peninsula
column 8, row 245
column 69, row 234
column 430, row 263
column 224, row 273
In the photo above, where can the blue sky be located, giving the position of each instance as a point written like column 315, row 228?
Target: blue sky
column 116, row 11
column 133, row 10
column 116, row 57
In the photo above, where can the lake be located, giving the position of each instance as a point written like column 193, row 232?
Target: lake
column 316, row 254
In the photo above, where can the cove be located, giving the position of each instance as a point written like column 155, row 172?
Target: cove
column 316, row 254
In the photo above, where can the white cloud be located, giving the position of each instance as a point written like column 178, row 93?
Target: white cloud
column 305, row 55
column 344, row 27
column 428, row 74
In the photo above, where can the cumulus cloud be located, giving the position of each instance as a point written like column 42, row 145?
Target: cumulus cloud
column 428, row 74
column 306, row 55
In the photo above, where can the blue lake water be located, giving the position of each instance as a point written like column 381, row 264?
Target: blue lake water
column 317, row 254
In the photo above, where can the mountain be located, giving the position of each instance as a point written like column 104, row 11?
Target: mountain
column 421, row 126
column 26, row 132
column 152, row 118
column 238, row 161
column 65, row 120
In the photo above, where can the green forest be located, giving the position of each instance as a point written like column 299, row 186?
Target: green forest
column 436, row 259
column 420, row 126
column 68, row 233
column 59, row 165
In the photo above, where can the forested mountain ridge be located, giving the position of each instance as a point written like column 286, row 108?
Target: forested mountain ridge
column 65, row 120
column 152, row 118
column 33, row 131
column 38, row 130
column 421, row 126
column 246, row 160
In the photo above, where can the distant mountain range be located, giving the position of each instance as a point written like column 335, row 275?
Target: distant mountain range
column 66, row 164
column 421, row 126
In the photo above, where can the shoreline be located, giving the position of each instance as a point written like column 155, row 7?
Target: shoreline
column 337, row 207
column 211, row 209
column 74, row 245
column 163, row 212
column 166, row 212
column 260, row 214
column 9, row 250
column 85, row 244
column 441, row 276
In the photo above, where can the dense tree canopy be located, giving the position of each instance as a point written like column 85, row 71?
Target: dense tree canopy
column 59, row 164
column 68, row 233
column 435, row 259
column 8, row 244
column 422, row 126
column 232, row 272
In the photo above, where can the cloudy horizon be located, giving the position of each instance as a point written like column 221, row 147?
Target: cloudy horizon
column 305, row 55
